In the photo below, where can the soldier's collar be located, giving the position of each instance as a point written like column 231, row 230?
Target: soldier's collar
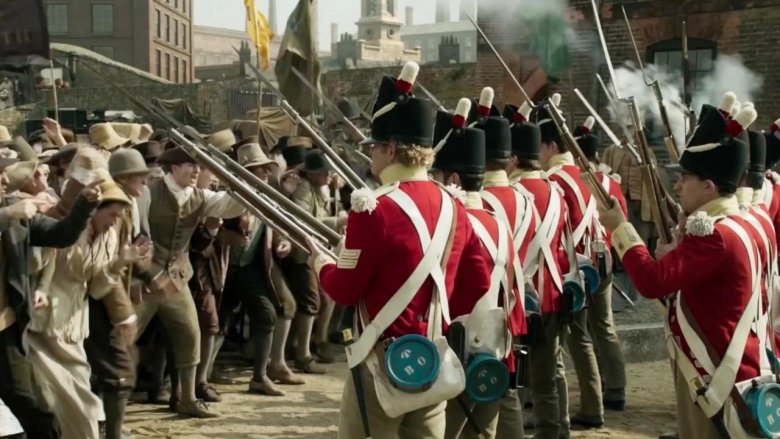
column 561, row 159
column 473, row 200
column 495, row 179
column 745, row 196
column 399, row 172
column 721, row 206
column 521, row 174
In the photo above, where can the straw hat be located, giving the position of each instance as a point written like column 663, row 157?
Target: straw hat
column 223, row 139
column 19, row 174
column 104, row 135
column 127, row 161
column 109, row 189
column 251, row 155
column 127, row 130
column 299, row 141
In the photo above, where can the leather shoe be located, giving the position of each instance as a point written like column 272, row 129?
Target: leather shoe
column 309, row 365
column 323, row 354
column 587, row 422
column 207, row 393
column 285, row 376
column 195, row 409
column 266, row 387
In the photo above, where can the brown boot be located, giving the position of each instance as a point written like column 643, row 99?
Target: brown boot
column 285, row 376
column 266, row 387
column 196, row 409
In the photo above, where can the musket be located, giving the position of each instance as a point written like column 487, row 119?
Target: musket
column 662, row 216
column 342, row 168
column 586, row 169
column 337, row 111
column 669, row 141
column 603, row 41
column 687, row 96
column 500, row 59
column 605, row 127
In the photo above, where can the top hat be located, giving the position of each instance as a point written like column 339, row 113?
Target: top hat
column 349, row 109
column 294, row 155
column 127, row 161
column 251, row 155
column 315, row 162
column 175, row 156
column 543, row 118
column 104, row 136
column 587, row 141
column 223, row 139
column 715, row 151
column 458, row 148
column 398, row 115
column 150, row 150
column 526, row 136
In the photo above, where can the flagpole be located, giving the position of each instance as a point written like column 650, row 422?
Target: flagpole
column 54, row 91
column 259, row 99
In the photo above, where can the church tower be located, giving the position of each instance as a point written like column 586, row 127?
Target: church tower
column 378, row 36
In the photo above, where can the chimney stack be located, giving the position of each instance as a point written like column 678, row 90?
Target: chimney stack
column 334, row 33
column 272, row 15
column 442, row 11
column 409, row 15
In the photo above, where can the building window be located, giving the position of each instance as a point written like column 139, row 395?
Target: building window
column 159, row 24
column 107, row 51
column 184, row 35
column 168, row 66
column 57, row 17
column 701, row 57
column 186, row 71
column 103, row 19
column 184, row 6
column 175, row 69
column 158, row 62
column 167, row 28
column 176, row 32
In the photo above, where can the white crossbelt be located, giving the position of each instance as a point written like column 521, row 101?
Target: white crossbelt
column 540, row 249
column 499, row 254
column 588, row 211
column 430, row 265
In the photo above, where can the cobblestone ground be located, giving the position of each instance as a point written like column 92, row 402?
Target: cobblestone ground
column 311, row 411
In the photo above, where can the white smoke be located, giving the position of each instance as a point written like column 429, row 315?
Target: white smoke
column 631, row 81
column 729, row 74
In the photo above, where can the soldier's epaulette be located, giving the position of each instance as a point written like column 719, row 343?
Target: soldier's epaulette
column 700, row 224
column 366, row 200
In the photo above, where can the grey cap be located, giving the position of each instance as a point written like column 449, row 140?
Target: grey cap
column 126, row 161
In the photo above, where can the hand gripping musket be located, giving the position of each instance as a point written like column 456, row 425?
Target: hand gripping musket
column 337, row 111
column 669, row 141
column 664, row 215
column 341, row 167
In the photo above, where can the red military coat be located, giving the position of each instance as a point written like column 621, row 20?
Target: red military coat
column 382, row 249
column 517, row 323
column 562, row 165
column 540, row 188
column 774, row 206
column 496, row 183
column 711, row 271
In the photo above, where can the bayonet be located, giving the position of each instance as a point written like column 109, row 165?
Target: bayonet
column 607, row 58
column 604, row 126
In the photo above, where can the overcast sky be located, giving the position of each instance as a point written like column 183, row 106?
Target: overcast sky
column 231, row 14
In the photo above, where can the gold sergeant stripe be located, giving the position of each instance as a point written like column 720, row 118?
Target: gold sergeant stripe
column 348, row 259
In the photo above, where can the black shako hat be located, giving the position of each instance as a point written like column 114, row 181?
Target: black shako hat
column 458, row 148
column 586, row 139
column 485, row 116
column 398, row 115
column 757, row 164
column 716, row 151
column 526, row 136
column 772, row 144
column 542, row 117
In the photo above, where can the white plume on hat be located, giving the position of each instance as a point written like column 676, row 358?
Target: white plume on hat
column 556, row 99
column 458, row 121
column 462, row 110
column 746, row 117
column 486, row 97
column 589, row 123
column 409, row 72
column 727, row 102
column 525, row 110
column 735, row 109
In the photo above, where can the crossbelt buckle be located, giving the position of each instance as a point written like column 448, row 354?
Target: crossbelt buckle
column 700, row 387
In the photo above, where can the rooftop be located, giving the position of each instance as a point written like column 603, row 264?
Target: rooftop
column 437, row 28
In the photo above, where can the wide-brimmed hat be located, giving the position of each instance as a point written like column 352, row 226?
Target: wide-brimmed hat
column 349, row 109
column 127, row 161
column 175, row 156
column 65, row 153
column 251, row 155
column 294, row 155
column 110, row 191
column 23, row 149
column 280, row 145
column 223, row 139
column 18, row 174
column 315, row 162
column 104, row 136
column 127, row 130
column 149, row 150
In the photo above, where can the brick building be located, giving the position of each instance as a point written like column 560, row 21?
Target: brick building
column 745, row 28
column 151, row 35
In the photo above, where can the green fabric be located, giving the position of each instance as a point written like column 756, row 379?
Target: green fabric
column 299, row 50
column 550, row 45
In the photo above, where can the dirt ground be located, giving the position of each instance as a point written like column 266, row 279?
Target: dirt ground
column 311, row 411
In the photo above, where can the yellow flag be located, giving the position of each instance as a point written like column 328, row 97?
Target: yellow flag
column 259, row 32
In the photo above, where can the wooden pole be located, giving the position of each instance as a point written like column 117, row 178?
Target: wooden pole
column 54, row 91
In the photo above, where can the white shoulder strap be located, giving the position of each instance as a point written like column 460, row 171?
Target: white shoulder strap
column 724, row 375
column 499, row 253
column 540, row 249
column 588, row 210
column 430, row 265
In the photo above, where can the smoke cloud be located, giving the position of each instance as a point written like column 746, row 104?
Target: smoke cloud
column 729, row 74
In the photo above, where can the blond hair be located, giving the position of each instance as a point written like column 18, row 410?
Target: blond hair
column 414, row 155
